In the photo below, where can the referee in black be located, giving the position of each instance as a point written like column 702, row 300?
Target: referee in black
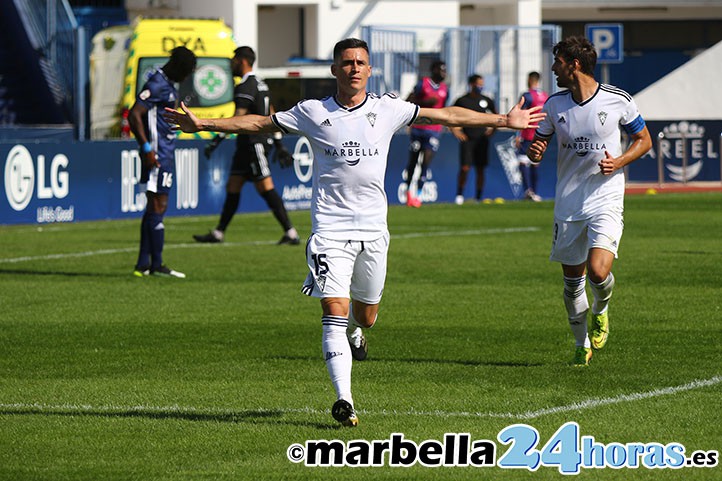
column 474, row 142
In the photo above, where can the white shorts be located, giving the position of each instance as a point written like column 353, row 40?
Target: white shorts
column 350, row 269
column 572, row 240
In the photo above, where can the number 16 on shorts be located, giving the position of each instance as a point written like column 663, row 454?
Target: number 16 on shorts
column 569, row 452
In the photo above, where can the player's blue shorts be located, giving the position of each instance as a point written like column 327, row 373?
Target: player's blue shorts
column 424, row 140
column 158, row 180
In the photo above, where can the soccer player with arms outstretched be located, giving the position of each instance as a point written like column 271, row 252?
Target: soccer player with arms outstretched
column 350, row 134
column 587, row 119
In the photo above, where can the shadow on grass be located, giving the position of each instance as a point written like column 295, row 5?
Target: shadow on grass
column 248, row 416
column 463, row 362
column 460, row 362
column 28, row 272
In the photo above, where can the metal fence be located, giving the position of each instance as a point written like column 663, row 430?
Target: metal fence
column 504, row 55
column 51, row 29
column 54, row 33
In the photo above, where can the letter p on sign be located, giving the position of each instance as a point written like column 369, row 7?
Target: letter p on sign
column 608, row 41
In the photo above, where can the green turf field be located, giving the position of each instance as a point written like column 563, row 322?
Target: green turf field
column 104, row 376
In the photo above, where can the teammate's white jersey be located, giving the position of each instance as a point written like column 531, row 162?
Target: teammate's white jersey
column 350, row 150
column 584, row 131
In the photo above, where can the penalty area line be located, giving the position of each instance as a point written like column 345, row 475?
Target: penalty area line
column 169, row 411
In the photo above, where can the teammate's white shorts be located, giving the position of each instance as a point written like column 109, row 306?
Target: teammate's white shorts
column 349, row 269
column 572, row 240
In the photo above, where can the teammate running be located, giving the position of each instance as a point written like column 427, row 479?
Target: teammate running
column 588, row 118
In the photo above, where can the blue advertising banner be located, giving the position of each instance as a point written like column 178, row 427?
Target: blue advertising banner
column 697, row 141
column 47, row 182
column 502, row 175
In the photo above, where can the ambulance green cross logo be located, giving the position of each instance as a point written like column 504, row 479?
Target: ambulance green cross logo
column 211, row 82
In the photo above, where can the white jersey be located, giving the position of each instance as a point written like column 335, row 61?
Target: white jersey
column 584, row 131
column 350, row 151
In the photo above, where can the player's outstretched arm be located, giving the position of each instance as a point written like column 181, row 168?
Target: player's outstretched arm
column 245, row 124
column 521, row 119
column 461, row 117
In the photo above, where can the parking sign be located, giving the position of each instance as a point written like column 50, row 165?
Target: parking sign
column 608, row 40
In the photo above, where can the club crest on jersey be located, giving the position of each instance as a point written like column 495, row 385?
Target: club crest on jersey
column 582, row 146
column 602, row 116
column 371, row 117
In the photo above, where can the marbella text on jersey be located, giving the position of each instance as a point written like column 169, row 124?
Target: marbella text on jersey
column 582, row 145
column 351, row 149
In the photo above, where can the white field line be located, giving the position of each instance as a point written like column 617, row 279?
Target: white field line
column 179, row 410
column 69, row 255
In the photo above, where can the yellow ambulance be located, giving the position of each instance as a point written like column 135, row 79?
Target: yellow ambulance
column 123, row 57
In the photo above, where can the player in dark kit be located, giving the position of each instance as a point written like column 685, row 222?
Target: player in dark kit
column 474, row 147
column 157, row 145
column 250, row 161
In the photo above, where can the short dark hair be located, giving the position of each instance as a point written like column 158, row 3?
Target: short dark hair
column 346, row 44
column 579, row 48
column 437, row 64
column 246, row 53
column 473, row 78
column 181, row 64
column 535, row 76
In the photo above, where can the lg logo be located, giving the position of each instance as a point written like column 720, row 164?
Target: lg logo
column 21, row 178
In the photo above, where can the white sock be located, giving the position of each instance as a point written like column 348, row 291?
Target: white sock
column 352, row 324
column 577, row 305
column 353, row 331
column 292, row 233
column 337, row 352
column 602, row 293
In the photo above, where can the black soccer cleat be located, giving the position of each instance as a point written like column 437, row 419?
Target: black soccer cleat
column 357, row 341
column 343, row 412
column 209, row 238
column 286, row 240
column 165, row 271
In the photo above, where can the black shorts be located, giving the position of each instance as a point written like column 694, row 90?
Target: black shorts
column 251, row 161
column 475, row 152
